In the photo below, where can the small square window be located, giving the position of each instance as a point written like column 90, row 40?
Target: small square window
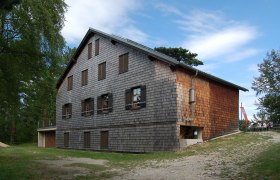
column 136, row 93
column 67, row 111
column 105, row 103
column 135, row 98
column 87, row 107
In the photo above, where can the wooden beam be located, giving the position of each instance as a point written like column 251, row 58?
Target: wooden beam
column 172, row 67
column 113, row 42
column 152, row 58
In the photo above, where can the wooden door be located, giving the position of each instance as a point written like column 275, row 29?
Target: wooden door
column 66, row 139
column 50, row 138
column 104, row 139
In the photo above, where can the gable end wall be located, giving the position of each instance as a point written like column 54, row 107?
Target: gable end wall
column 152, row 128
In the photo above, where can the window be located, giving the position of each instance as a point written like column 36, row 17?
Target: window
column 70, row 83
column 123, row 63
column 86, row 139
column 101, row 71
column 135, row 98
column 67, row 111
column 84, row 77
column 105, row 103
column 96, row 47
column 66, row 139
column 89, row 50
column 87, row 107
column 104, row 136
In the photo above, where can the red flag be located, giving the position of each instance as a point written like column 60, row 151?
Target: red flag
column 245, row 115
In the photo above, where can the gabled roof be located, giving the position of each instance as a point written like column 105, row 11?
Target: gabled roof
column 150, row 52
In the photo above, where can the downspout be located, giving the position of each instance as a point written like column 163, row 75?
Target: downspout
column 192, row 96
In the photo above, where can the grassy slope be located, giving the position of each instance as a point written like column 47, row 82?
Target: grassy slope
column 17, row 162
column 266, row 165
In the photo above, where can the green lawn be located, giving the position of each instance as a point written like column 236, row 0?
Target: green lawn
column 17, row 162
column 266, row 165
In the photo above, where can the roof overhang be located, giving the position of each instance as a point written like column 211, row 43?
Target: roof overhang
column 46, row 129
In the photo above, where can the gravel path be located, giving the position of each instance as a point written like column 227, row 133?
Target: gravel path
column 222, row 164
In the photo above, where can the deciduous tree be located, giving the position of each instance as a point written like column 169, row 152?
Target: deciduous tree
column 267, row 85
column 30, row 51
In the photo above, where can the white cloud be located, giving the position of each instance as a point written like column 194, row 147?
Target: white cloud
column 225, row 42
column 168, row 9
column 111, row 16
column 242, row 54
column 215, row 38
column 209, row 67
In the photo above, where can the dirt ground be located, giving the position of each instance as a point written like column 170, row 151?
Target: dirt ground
column 203, row 166
column 68, row 168
column 220, row 164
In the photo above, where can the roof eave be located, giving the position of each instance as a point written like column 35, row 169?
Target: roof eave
column 214, row 78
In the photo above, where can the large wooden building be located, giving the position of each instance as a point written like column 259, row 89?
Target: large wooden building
column 119, row 95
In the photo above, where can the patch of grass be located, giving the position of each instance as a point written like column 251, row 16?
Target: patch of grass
column 17, row 162
column 266, row 165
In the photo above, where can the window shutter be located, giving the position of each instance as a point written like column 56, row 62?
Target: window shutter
column 120, row 64
column 83, row 108
column 125, row 63
column 104, row 71
column 99, row 72
column 97, row 47
column 92, row 106
column 70, row 107
column 86, row 77
column 110, row 103
column 99, row 105
column 82, row 78
column 143, row 96
column 89, row 50
column 63, row 112
column 128, row 99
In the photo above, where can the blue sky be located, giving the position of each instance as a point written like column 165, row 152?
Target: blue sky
column 230, row 37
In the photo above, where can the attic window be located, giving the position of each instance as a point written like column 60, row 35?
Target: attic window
column 135, row 98
column 97, row 47
column 89, row 50
column 70, row 83
column 123, row 63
